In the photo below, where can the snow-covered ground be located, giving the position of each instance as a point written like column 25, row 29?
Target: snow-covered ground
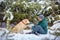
column 18, row 36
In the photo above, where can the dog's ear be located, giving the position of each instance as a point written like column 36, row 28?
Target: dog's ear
column 25, row 21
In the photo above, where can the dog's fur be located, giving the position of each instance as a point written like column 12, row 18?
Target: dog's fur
column 21, row 26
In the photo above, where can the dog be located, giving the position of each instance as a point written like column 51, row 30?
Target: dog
column 20, row 26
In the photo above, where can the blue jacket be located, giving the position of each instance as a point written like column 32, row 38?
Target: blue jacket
column 44, row 25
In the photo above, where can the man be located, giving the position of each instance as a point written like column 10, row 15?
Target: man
column 41, row 27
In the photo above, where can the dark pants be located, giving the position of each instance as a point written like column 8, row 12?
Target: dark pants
column 38, row 29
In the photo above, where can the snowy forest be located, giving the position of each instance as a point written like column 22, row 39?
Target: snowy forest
column 14, row 11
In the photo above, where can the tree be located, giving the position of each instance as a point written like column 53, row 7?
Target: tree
column 22, row 9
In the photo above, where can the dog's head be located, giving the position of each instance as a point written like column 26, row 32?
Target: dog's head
column 25, row 21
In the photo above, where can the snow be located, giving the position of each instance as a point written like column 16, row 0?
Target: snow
column 14, row 2
column 58, row 31
column 48, row 36
column 19, row 36
column 42, row 2
column 58, row 38
column 27, row 31
column 1, row 0
column 3, row 33
column 56, row 26
column 58, row 1
column 49, row 8
column 4, row 29
column 56, row 22
column 26, row 37
column 8, row 12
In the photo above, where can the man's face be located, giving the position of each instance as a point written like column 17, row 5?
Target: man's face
column 39, row 19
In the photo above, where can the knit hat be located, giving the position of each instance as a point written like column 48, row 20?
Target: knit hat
column 41, row 16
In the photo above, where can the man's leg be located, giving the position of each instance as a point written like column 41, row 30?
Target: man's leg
column 38, row 29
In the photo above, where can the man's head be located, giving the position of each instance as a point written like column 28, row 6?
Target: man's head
column 40, row 17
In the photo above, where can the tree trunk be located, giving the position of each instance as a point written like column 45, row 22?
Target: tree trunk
column 53, row 5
